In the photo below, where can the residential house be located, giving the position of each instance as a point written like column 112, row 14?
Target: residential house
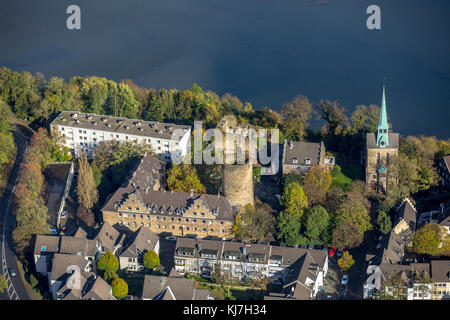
column 89, row 287
column 149, row 173
column 300, row 157
column 443, row 169
column 173, row 287
column 440, row 273
column 440, row 216
column 109, row 238
column 131, row 257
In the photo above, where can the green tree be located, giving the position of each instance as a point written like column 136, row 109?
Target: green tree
column 288, row 225
column 294, row 199
column 384, row 222
column 119, row 288
column 108, row 262
column 151, row 259
column 317, row 225
column 346, row 261
column 184, row 178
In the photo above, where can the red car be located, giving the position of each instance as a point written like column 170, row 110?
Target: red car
column 332, row 251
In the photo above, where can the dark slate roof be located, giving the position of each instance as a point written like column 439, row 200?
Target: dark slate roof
column 406, row 272
column 61, row 262
column 98, row 290
column 75, row 293
column 288, row 255
column 46, row 244
column 371, row 141
column 147, row 172
column 78, row 246
column 176, row 200
column 108, row 236
column 407, row 212
column 142, row 240
column 117, row 124
column 171, row 288
column 301, row 151
column 440, row 270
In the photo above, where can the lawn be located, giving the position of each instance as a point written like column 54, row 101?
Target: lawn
column 342, row 181
column 227, row 293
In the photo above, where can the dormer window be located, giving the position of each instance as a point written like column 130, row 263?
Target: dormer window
column 307, row 161
column 294, row 160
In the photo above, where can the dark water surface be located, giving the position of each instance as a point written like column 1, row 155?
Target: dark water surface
column 263, row 51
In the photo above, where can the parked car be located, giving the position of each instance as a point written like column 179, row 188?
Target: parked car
column 12, row 272
column 310, row 247
column 53, row 231
column 332, row 251
column 278, row 197
column 171, row 238
column 338, row 254
column 63, row 214
column 344, row 279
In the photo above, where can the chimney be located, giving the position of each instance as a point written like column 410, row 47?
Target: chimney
column 192, row 193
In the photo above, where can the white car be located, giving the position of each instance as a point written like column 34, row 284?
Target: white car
column 63, row 214
column 345, row 279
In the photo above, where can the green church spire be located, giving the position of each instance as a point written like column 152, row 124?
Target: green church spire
column 383, row 128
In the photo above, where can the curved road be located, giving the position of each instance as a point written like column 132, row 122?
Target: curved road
column 16, row 288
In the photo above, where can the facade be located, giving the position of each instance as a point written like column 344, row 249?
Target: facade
column 443, row 169
column 83, row 131
column 176, row 213
column 299, row 157
column 440, row 273
column 131, row 257
column 239, row 261
column 380, row 148
column 173, row 287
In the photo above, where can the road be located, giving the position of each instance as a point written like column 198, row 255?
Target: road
column 16, row 288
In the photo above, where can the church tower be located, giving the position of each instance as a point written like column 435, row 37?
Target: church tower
column 380, row 148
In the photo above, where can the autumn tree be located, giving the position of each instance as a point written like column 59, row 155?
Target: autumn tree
column 108, row 262
column 31, row 177
column 255, row 222
column 334, row 115
column 119, row 288
column 184, row 178
column 3, row 283
column 346, row 261
column 296, row 114
column 86, row 187
column 294, row 199
column 151, row 259
column 347, row 235
column 316, row 183
column 428, row 239
column 354, row 213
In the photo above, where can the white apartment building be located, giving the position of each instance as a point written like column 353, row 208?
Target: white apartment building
column 83, row 131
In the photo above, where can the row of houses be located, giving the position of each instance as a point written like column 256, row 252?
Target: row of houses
column 300, row 272
column 393, row 271
column 62, row 257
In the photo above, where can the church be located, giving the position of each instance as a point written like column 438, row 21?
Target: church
column 380, row 148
